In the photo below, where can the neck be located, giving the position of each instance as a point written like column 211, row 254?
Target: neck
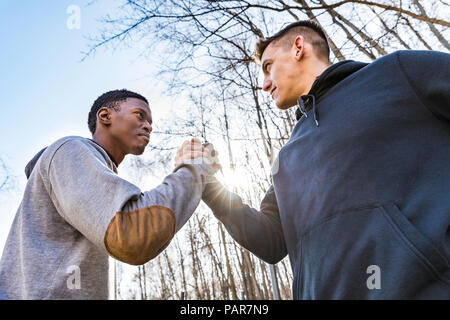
column 313, row 70
column 111, row 148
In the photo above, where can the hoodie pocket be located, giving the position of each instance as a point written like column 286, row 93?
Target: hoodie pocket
column 371, row 253
column 417, row 243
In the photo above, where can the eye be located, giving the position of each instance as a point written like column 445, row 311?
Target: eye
column 266, row 67
column 141, row 115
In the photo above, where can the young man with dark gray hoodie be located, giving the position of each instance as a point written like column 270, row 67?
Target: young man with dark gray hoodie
column 360, row 199
column 76, row 211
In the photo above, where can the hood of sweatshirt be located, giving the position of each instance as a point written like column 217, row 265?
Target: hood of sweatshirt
column 30, row 166
column 328, row 79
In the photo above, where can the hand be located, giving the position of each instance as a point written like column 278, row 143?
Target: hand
column 190, row 149
column 194, row 151
column 213, row 153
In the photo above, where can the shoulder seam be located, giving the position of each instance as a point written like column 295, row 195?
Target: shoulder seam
column 51, row 160
column 413, row 88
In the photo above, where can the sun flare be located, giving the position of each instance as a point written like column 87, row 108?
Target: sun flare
column 235, row 178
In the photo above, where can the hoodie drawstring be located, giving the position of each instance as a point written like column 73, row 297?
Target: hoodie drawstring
column 301, row 106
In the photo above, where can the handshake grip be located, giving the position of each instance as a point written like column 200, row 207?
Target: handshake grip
column 216, row 165
column 196, row 152
column 206, row 144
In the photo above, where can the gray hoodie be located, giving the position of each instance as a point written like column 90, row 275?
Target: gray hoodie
column 76, row 211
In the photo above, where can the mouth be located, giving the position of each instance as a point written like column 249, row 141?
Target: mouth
column 272, row 92
column 145, row 136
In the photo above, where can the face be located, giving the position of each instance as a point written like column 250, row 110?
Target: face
column 282, row 75
column 131, row 126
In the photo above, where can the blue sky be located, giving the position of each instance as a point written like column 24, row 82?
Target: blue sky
column 46, row 92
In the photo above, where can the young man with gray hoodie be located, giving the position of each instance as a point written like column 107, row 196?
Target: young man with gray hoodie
column 76, row 211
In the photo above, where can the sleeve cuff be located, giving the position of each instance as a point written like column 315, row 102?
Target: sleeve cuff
column 202, row 166
column 218, row 198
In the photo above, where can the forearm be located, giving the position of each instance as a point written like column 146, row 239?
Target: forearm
column 147, row 223
column 258, row 231
column 180, row 192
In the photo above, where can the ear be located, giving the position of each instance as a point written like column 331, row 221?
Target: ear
column 299, row 47
column 104, row 116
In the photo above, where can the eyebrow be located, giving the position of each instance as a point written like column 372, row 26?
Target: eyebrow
column 143, row 110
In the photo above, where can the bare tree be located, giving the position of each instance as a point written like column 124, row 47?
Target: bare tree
column 7, row 180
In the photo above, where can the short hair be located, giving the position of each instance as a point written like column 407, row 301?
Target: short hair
column 110, row 99
column 309, row 29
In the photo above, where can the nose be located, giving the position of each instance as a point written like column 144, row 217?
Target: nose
column 266, row 84
column 148, row 127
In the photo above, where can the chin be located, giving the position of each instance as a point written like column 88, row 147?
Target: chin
column 284, row 105
column 137, row 151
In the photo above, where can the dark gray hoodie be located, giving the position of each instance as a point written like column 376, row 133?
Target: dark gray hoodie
column 361, row 192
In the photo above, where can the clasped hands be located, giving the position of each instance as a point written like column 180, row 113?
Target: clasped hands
column 195, row 152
